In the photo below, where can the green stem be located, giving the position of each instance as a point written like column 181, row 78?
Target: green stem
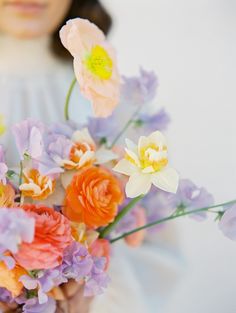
column 169, row 218
column 21, row 173
column 68, row 96
column 127, row 125
column 106, row 231
column 20, row 180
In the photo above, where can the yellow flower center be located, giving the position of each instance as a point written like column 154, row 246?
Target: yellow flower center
column 152, row 156
column 99, row 63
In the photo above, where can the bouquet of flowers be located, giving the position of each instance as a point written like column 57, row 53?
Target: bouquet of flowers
column 77, row 190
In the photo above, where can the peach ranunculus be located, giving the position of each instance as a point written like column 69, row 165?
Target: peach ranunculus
column 101, row 248
column 36, row 186
column 136, row 239
column 9, row 278
column 52, row 237
column 7, row 196
column 94, row 64
column 93, row 197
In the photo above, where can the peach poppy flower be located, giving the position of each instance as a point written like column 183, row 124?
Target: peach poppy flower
column 93, row 197
column 52, row 236
column 136, row 239
column 7, row 196
column 101, row 248
column 9, row 279
column 94, row 64
column 36, row 186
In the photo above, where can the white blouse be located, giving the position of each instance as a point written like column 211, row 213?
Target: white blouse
column 33, row 83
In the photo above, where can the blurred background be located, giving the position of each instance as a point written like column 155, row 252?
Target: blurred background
column 192, row 46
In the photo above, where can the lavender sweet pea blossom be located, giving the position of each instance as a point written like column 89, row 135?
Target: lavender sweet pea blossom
column 3, row 166
column 15, row 227
column 227, row 222
column 78, row 264
column 57, row 151
column 29, row 138
column 33, row 306
column 140, row 89
column 65, row 129
column 97, row 280
column 5, row 295
column 103, row 128
column 44, row 282
column 151, row 122
column 191, row 197
column 158, row 204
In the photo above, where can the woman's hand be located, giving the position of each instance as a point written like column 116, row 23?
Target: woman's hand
column 74, row 302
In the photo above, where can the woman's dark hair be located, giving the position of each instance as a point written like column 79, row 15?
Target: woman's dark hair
column 89, row 9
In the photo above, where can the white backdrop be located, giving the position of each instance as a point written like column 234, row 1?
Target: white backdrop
column 191, row 44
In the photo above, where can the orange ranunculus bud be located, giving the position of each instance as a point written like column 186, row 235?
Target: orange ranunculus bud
column 101, row 248
column 93, row 197
column 36, row 186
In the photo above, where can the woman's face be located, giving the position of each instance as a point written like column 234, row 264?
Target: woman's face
column 31, row 18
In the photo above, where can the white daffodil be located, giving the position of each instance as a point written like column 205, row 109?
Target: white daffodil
column 147, row 164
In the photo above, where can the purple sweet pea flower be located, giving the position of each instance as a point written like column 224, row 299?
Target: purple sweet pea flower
column 139, row 90
column 78, row 264
column 33, row 306
column 57, row 150
column 191, row 197
column 5, row 295
column 65, row 129
column 102, row 128
column 29, row 138
column 3, row 166
column 44, row 281
column 98, row 280
column 158, row 205
column 151, row 122
column 15, row 227
column 227, row 222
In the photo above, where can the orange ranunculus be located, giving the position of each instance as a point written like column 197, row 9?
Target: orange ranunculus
column 101, row 248
column 9, row 279
column 93, row 197
column 52, row 236
column 36, row 186
column 7, row 196
column 136, row 239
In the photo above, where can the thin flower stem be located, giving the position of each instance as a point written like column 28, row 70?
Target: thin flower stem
column 67, row 102
column 171, row 217
column 21, row 173
column 20, row 181
column 106, row 231
column 127, row 125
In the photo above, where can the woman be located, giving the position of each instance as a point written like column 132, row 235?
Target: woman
column 35, row 73
column 35, row 69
